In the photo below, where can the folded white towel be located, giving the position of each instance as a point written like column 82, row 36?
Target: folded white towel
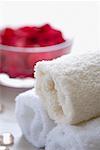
column 70, row 87
column 32, row 118
column 69, row 137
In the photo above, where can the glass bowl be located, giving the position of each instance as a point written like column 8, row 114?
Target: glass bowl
column 19, row 61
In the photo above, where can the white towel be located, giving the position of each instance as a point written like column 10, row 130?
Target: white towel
column 32, row 118
column 69, row 137
column 70, row 87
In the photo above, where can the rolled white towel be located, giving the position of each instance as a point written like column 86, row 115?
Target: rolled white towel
column 70, row 87
column 69, row 137
column 32, row 118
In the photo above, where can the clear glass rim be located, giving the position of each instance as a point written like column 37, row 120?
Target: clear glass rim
column 56, row 47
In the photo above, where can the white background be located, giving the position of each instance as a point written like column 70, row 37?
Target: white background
column 76, row 19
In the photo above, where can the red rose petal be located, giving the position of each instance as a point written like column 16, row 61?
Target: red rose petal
column 45, row 28
column 7, row 36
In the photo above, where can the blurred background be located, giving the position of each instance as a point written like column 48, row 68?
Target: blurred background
column 77, row 19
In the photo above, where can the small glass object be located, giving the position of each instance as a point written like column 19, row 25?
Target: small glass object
column 6, row 139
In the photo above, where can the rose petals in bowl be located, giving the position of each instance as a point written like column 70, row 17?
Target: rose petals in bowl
column 21, row 48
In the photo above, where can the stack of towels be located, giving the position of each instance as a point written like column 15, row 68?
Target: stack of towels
column 62, row 111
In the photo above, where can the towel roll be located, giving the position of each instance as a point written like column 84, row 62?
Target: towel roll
column 69, row 87
column 32, row 118
column 69, row 137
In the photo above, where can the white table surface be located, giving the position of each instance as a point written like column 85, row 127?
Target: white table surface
column 8, row 120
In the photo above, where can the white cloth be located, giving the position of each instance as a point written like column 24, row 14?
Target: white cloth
column 32, row 118
column 68, row 137
column 69, row 87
